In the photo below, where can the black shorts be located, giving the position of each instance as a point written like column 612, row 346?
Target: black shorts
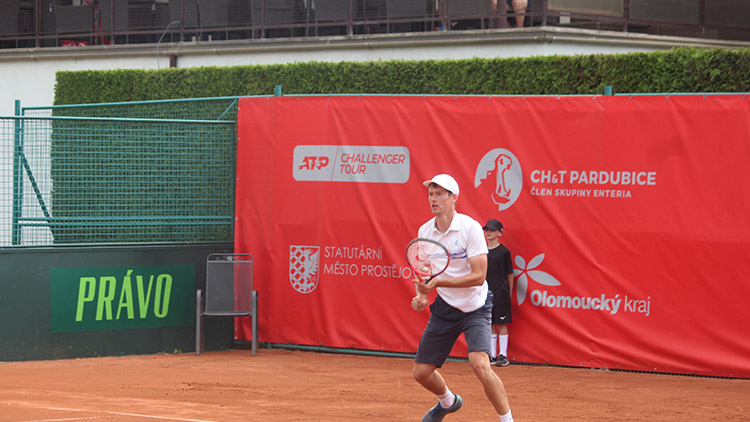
column 501, row 314
column 447, row 323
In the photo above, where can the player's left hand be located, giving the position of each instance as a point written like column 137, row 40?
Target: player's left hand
column 418, row 303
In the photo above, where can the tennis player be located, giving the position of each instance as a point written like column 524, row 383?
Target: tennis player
column 463, row 304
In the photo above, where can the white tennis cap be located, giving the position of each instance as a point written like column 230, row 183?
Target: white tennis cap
column 444, row 180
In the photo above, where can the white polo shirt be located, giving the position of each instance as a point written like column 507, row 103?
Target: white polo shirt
column 463, row 239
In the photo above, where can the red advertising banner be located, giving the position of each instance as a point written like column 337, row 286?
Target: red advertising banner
column 627, row 219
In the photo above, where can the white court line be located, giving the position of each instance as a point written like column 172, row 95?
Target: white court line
column 164, row 418
column 63, row 419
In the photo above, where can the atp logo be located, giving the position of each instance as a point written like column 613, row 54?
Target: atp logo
column 304, row 265
column 314, row 163
column 526, row 272
column 500, row 177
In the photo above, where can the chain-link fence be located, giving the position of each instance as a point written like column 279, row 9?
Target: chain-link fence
column 147, row 172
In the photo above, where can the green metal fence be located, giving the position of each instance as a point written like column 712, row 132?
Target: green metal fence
column 141, row 172
column 213, row 108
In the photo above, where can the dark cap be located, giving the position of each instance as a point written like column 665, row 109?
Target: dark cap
column 493, row 225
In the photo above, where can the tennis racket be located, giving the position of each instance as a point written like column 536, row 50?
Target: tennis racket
column 427, row 257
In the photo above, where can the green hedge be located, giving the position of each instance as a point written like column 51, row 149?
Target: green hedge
column 677, row 70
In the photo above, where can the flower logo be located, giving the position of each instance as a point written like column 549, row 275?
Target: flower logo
column 527, row 272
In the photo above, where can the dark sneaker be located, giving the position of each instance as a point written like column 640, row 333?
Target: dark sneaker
column 501, row 361
column 437, row 413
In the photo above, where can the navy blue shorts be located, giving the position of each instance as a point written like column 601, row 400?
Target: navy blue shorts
column 447, row 323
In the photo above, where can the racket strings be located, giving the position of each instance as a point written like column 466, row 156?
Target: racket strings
column 419, row 262
column 427, row 258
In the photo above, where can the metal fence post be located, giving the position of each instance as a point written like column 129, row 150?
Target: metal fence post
column 17, row 177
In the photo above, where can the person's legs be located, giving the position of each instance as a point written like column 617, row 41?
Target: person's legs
column 494, row 351
column 492, row 384
column 502, row 339
column 502, row 334
column 477, row 332
column 501, row 318
column 519, row 6
column 428, row 377
column 434, row 347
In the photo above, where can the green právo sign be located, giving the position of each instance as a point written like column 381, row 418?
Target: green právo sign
column 111, row 298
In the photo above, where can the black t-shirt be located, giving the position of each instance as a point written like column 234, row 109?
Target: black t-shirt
column 499, row 265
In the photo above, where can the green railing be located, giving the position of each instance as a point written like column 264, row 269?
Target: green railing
column 141, row 172
column 213, row 108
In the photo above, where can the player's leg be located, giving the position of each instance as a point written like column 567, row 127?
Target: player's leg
column 428, row 377
column 491, row 383
column 477, row 330
column 448, row 402
column 434, row 347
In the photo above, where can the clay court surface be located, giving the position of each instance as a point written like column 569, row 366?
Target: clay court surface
column 281, row 385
